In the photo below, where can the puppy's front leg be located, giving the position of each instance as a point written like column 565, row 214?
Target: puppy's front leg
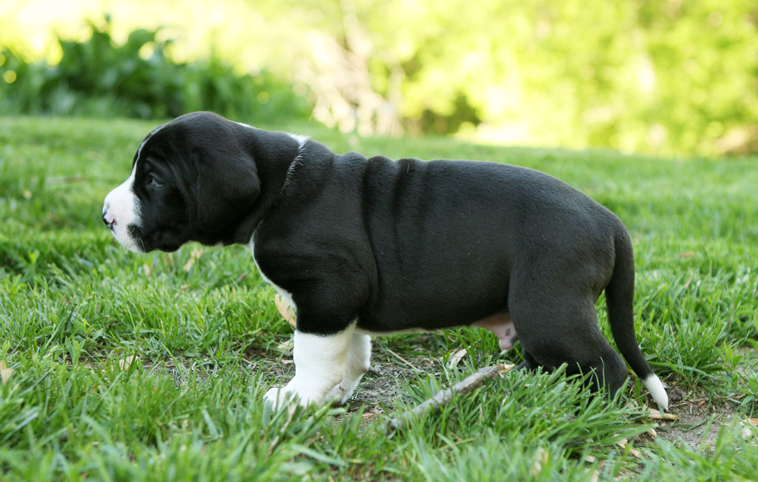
column 358, row 360
column 319, row 366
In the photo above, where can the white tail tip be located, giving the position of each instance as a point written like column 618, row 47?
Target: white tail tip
column 655, row 387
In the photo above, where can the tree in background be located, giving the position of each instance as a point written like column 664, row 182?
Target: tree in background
column 660, row 76
column 655, row 76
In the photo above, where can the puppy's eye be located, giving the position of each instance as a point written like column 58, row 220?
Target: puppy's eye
column 154, row 181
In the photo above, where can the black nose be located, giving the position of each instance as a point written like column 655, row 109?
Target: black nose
column 108, row 223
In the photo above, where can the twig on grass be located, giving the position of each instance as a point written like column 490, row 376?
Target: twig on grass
column 410, row 365
column 469, row 384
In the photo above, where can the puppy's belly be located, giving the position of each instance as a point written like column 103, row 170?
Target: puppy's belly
column 363, row 331
column 501, row 325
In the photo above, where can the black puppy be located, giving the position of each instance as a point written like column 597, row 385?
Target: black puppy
column 363, row 247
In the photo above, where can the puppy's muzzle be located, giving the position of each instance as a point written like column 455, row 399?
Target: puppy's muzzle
column 109, row 219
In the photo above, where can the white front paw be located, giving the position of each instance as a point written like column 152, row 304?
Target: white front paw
column 340, row 394
column 275, row 397
column 280, row 397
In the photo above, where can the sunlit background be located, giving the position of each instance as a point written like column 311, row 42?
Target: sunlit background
column 663, row 77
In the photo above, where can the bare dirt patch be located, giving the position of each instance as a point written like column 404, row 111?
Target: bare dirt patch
column 699, row 419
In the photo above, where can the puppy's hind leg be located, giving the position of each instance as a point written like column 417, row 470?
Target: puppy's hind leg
column 358, row 360
column 529, row 362
column 559, row 326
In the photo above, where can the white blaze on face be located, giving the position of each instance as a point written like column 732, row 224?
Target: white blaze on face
column 123, row 210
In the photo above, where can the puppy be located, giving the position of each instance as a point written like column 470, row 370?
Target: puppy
column 369, row 246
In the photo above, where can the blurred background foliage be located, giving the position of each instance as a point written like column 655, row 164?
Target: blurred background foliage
column 96, row 77
column 671, row 77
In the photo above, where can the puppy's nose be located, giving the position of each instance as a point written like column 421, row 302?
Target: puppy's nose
column 108, row 220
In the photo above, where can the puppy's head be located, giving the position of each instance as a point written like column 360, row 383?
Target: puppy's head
column 192, row 180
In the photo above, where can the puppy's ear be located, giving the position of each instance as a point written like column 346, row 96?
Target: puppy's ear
column 227, row 186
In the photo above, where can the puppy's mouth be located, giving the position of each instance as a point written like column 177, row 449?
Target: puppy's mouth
column 129, row 237
column 136, row 244
column 140, row 242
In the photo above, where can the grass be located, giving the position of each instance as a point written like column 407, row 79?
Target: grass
column 153, row 367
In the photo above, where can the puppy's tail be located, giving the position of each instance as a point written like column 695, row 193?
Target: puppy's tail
column 619, row 295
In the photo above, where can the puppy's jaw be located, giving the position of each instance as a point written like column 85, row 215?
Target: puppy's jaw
column 122, row 206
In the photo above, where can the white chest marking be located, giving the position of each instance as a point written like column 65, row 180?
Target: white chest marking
column 286, row 295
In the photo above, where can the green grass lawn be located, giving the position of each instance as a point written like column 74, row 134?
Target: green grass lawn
column 128, row 367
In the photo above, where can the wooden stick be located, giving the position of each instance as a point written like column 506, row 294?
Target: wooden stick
column 410, row 365
column 469, row 384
